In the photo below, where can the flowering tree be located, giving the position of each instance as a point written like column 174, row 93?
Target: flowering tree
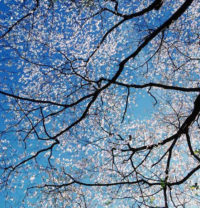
column 100, row 103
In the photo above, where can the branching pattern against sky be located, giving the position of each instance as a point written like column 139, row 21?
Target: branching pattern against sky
column 99, row 103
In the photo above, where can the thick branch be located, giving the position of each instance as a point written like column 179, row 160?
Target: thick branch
column 183, row 129
column 157, row 85
column 46, row 101
column 185, row 178
column 125, row 18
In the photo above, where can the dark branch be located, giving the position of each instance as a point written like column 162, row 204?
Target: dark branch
column 157, row 85
column 20, row 20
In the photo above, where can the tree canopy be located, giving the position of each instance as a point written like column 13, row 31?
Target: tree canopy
column 100, row 103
